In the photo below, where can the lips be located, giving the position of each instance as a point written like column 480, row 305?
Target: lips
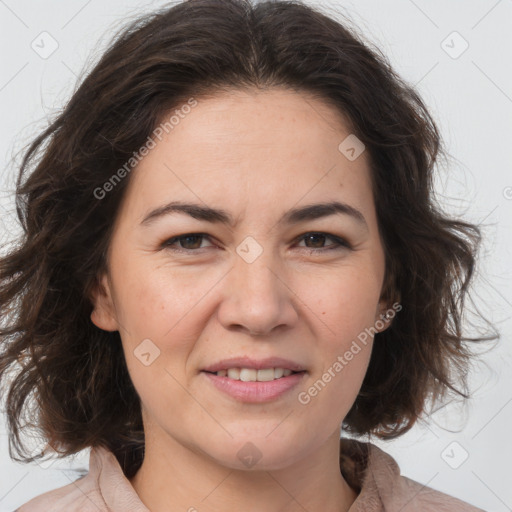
column 257, row 364
column 255, row 392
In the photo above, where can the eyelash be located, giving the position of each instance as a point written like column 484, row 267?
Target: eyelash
column 340, row 243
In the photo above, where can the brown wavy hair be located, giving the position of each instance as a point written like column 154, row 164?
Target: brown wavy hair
column 76, row 372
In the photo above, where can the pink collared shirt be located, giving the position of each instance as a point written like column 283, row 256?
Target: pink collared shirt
column 371, row 472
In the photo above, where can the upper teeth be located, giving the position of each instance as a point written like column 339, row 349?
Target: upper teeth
column 253, row 375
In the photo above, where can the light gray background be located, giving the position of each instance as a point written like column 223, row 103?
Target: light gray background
column 470, row 96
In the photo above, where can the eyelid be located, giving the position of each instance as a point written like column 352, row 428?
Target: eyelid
column 340, row 242
column 166, row 244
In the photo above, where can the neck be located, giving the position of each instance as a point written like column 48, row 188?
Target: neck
column 174, row 478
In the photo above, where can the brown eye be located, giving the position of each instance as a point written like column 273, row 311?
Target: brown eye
column 187, row 243
column 191, row 241
column 317, row 241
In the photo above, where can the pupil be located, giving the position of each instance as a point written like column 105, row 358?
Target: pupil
column 191, row 237
column 315, row 236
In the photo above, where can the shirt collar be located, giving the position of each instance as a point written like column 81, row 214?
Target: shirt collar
column 371, row 472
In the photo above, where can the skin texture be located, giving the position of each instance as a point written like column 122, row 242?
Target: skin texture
column 255, row 154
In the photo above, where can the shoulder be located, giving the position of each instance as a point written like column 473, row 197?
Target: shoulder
column 103, row 489
column 80, row 496
column 84, row 494
column 414, row 496
column 382, row 487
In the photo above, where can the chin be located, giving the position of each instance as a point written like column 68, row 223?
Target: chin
column 258, row 453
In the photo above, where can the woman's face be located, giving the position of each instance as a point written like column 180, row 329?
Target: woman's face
column 273, row 284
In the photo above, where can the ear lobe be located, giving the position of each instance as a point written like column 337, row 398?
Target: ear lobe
column 389, row 295
column 384, row 316
column 382, row 322
column 102, row 315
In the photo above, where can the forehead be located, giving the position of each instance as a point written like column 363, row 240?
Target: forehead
column 251, row 146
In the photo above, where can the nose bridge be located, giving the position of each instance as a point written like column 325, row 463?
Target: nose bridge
column 257, row 278
column 256, row 297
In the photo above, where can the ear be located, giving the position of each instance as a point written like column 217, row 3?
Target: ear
column 384, row 316
column 103, row 313
column 385, row 313
column 389, row 303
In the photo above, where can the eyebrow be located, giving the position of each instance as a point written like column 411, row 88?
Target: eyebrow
column 294, row 216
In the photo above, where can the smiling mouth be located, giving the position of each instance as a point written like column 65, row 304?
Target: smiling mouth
column 253, row 375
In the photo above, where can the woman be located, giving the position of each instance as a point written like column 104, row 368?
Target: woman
column 232, row 254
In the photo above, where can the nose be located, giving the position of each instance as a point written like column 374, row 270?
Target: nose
column 257, row 299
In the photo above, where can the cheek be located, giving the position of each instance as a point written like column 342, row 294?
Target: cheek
column 158, row 320
column 330, row 394
column 346, row 304
column 151, row 301
column 167, row 308
column 344, row 315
